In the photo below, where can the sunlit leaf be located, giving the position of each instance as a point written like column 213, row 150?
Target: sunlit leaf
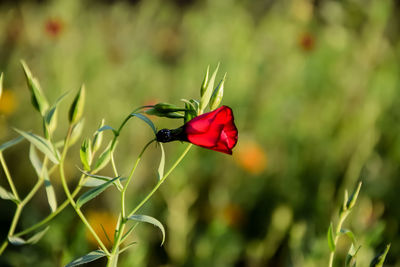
column 37, row 165
column 149, row 219
column 89, row 195
column 146, row 120
column 42, row 144
column 91, row 256
column 4, row 194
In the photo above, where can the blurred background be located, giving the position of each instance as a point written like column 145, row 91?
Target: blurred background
column 314, row 86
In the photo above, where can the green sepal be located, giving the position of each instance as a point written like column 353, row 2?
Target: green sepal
column 91, row 256
column 205, row 98
column 330, row 238
column 205, row 82
column 218, row 94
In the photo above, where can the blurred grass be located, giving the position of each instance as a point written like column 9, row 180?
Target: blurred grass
column 315, row 91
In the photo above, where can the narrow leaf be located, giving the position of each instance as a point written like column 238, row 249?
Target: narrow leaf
column 96, row 180
column 350, row 234
column 149, row 219
column 10, row 143
column 18, row 241
column 51, row 195
column 127, row 246
column 91, row 256
column 205, row 99
column 37, row 165
column 330, row 237
column 146, row 120
column 89, row 195
column 380, row 258
column 106, row 127
column 162, row 163
column 42, row 144
column 4, row 194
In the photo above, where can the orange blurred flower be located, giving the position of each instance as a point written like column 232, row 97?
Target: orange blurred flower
column 250, row 156
column 307, row 41
column 100, row 220
column 232, row 214
column 8, row 102
column 54, row 27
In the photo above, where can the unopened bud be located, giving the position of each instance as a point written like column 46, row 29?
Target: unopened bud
column 76, row 109
column 217, row 95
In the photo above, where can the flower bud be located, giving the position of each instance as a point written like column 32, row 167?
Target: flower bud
column 76, row 109
column 217, row 95
column 165, row 110
column 86, row 154
column 353, row 198
column 38, row 99
column 76, row 132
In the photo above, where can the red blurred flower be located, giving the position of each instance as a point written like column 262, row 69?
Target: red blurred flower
column 214, row 130
column 307, row 41
column 54, row 27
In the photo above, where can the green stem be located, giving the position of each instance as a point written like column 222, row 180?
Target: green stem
column 9, row 179
column 121, row 227
column 342, row 218
column 113, row 258
column 70, row 198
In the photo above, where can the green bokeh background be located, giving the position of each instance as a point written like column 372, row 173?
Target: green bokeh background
column 314, row 86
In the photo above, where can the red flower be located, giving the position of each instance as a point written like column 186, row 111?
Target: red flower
column 214, row 130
